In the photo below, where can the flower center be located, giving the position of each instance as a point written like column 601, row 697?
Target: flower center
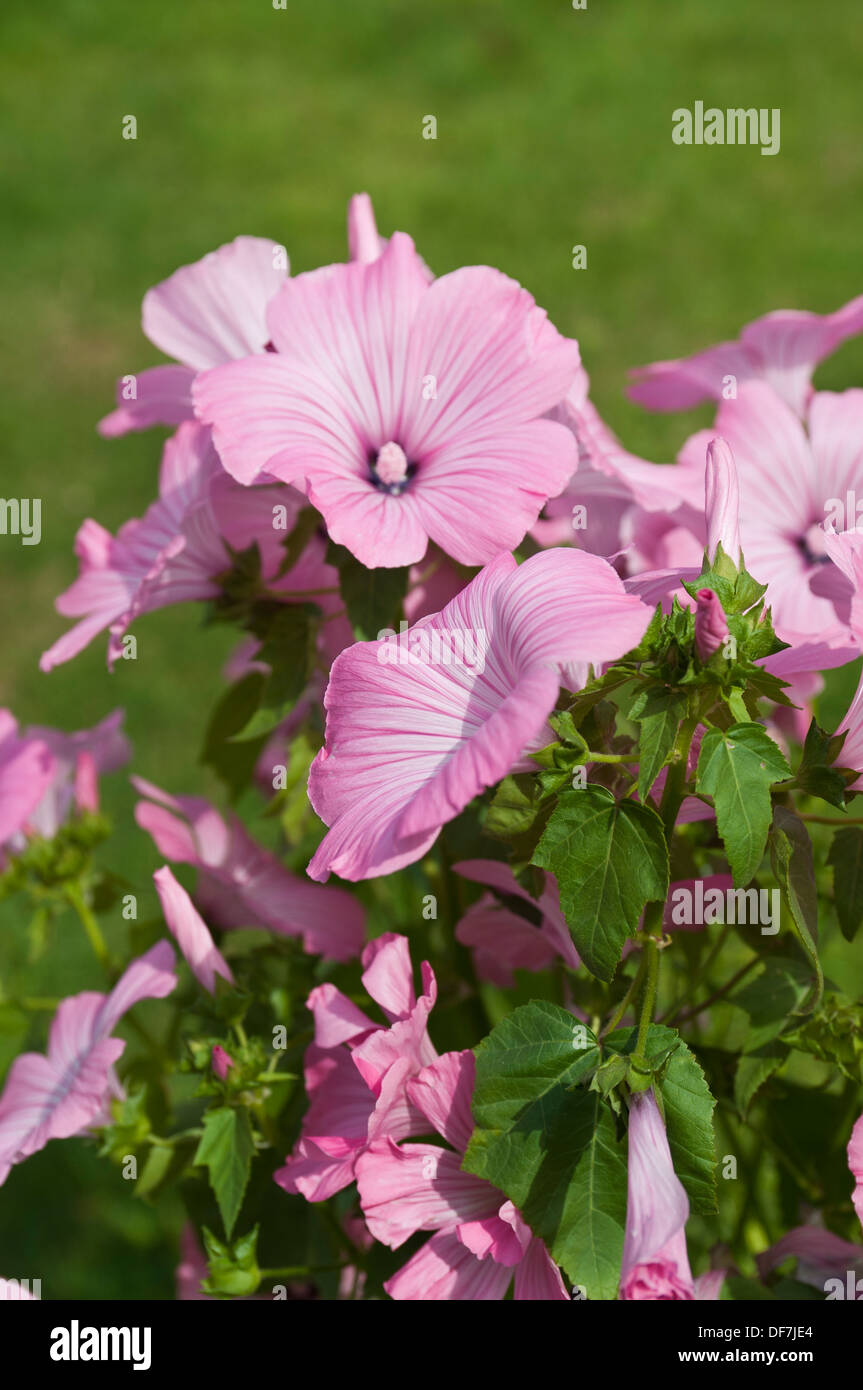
column 391, row 470
column 813, row 546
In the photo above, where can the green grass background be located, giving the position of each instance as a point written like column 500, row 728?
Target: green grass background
column 554, row 128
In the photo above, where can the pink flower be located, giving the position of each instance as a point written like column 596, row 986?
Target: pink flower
column 855, row 1163
column 178, row 550
column 783, row 348
column 192, row 1269
column 655, row 1262
column 356, row 1070
column 222, row 1062
column 711, row 628
column 240, row 884
column 480, row 1240
column 191, row 932
column 722, row 501
column 852, row 726
column 408, row 411
column 210, row 312
column 79, row 759
column 27, row 768
column 821, row 1255
column 787, row 481
column 502, row 939
column 68, row 1092
column 411, row 741
column 613, row 494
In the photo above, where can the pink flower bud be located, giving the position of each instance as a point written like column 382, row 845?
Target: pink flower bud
column 364, row 244
column 722, row 501
column 86, row 783
column 711, row 629
column 221, row 1062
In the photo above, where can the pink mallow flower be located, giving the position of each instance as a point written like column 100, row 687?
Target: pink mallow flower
column 178, row 550
column 481, row 1242
column 190, row 932
column 783, row 348
column 414, row 731
column 69, row 1091
column 356, row 1070
column 222, row 1062
column 44, row 773
column 408, row 411
column 503, row 940
column 210, row 312
column 27, row 769
column 240, row 884
column 789, row 479
column 655, row 1261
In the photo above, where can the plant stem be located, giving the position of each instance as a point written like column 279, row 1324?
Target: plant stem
column 635, row 985
column 718, row 993
column 591, row 757
column 88, row 920
column 831, row 820
column 648, row 999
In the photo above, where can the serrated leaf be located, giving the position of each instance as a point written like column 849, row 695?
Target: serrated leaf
column 793, row 868
column 688, row 1106
column 737, row 768
column 846, row 860
column 226, row 1148
column 610, row 858
column 772, row 999
column 753, row 1069
column 658, row 712
column 550, row 1145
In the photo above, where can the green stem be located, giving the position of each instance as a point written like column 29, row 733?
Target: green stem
column 719, row 993
column 591, row 757
column 635, row 985
column 709, row 960
column 648, row 999
column 88, row 921
column 831, row 820
column 299, row 1271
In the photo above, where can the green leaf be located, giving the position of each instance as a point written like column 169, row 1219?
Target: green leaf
column 659, row 712
column 226, row 1149
column 550, row 1145
column 791, row 858
column 846, row 860
column 289, row 650
column 752, row 1071
column 772, row 999
column 373, row 598
column 688, row 1105
column 234, row 763
column 737, row 768
column 816, row 775
column 610, row 858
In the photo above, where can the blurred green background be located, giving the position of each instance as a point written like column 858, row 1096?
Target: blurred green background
column 554, row 128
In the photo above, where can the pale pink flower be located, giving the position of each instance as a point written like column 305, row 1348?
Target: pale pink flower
column 410, row 743
column 190, row 932
column 625, row 499
column 408, row 411
column 356, row 1070
column 783, row 348
column 821, row 1255
column 240, row 884
column 655, row 1262
column 27, row 769
column 178, row 550
column 79, row 759
column 502, row 940
column 787, row 480
column 69, row 1091
column 209, row 312
column 481, row 1242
